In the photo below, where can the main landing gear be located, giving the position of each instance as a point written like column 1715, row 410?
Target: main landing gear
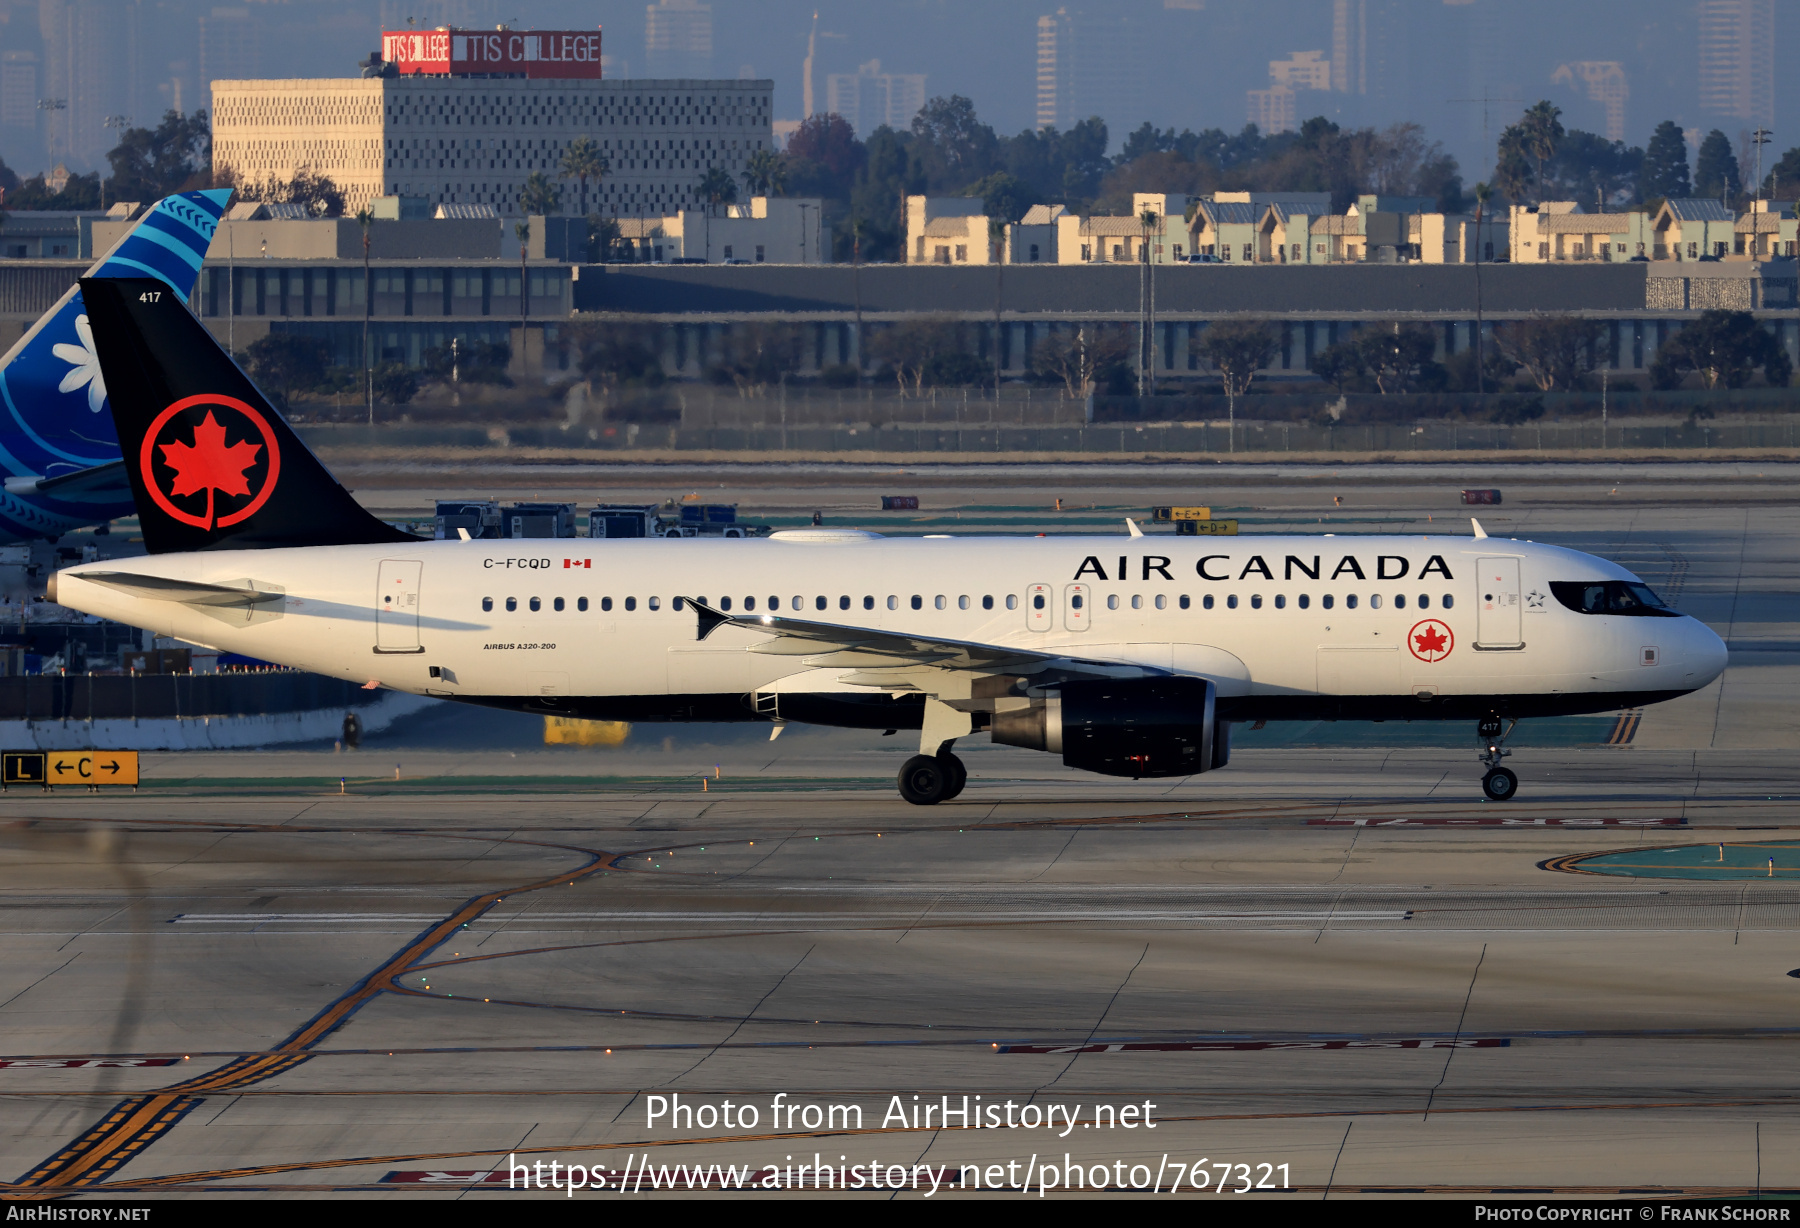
column 1500, row 784
column 926, row 780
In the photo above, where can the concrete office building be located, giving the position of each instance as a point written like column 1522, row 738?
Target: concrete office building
column 465, row 138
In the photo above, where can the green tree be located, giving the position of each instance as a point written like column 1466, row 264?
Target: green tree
column 1542, row 128
column 717, row 190
column 1396, row 356
column 1665, row 164
column 1340, row 365
column 1786, row 171
column 614, row 356
column 1004, row 196
column 283, row 364
column 1552, row 350
column 396, row 383
column 540, row 195
column 149, row 163
column 583, row 161
column 1716, row 169
column 757, row 355
column 1725, row 348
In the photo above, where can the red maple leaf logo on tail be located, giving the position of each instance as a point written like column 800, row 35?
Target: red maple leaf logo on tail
column 210, row 464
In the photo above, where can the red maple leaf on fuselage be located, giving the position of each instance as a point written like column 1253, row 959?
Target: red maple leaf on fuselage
column 210, row 464
column 1430, row 640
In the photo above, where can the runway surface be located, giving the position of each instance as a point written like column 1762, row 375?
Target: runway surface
column 1330, row 957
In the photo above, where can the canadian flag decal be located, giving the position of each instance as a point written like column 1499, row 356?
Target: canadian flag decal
column 588, row 563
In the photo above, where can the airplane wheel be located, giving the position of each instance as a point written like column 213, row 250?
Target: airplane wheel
column 1500, row 785
column 959, row 775
column 925, row 780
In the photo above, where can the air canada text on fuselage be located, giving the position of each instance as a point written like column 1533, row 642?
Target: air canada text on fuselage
column 1217, row 567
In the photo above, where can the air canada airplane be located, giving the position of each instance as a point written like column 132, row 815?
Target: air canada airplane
column 1127, row 655
column 58, row 455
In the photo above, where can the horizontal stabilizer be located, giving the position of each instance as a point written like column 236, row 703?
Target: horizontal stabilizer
column 188, row 592
column 106, row 483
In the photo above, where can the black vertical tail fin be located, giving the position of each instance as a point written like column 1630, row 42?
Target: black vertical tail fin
column 212, row 464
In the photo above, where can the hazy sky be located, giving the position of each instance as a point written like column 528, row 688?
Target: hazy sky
column 1197, row 57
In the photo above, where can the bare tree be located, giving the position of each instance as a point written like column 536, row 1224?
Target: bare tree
column 909, row 346
column 1553, row 350
column 1077, row 356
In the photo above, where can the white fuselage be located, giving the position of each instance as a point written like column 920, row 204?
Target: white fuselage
column 1260, row 616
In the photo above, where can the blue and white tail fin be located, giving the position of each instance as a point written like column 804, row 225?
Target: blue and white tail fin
column 57, row 446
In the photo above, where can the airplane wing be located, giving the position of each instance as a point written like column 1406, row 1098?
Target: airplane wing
column 828, row 645
column 96, row 484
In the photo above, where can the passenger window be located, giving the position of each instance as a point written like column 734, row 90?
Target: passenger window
column 1424, row 601
column 1075, row 601
column 581, row 604
column 1206, row 602
column 938, row 601
column 724, row 603
column 655, row 603
column 1374, row 601
column 1399, row 601
column 1280, row 601
column 843, row 603
column 1112, row 601
column 868, row 603
column 962, row 603
column 1037, row 601
column 630, row 604
column 1231, row 602
column 1327, row 599
column 987, row 603
column 1184, row 601
column 819, row 603
column 1256, row 601
column 1137, row 602
column 799, row 603
column 775, row 603
column 1305, row 601
column 536, row 605
column 918, row 602
column 512, row 603
column 749, row 603
column 1448, row 601
column 487, row 603
column 606, row 604
column 893, row 602
column 1349, row 602
column 557, row 605
column 677, row 602
column 1012, row 601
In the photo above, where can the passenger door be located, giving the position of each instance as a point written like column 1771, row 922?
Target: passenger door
column 1077, row 607
column 397, row 606
column 1497, row 617
column 1040, row 607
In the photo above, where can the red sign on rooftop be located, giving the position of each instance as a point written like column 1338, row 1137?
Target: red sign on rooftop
column 540, row 54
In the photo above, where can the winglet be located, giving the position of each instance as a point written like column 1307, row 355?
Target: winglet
column 1132, row 525
column 709, row 618
column 1479, row 531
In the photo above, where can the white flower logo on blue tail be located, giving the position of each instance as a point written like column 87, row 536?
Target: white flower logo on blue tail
column 84, row 366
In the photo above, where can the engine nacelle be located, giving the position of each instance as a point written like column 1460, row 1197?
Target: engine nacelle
column 1139, row 727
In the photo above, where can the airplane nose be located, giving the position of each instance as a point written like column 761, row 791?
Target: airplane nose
column 1706, row 653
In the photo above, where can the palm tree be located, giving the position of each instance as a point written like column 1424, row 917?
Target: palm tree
column 584, row 161
column 1543, row 128
column 716, row 189
column 765, row 174
column 1148, row 219
column 365, row 218
column 540, row 195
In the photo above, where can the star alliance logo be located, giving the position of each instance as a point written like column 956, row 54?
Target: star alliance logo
column 1534, row 600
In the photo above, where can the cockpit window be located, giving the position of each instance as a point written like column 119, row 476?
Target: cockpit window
column 1625, row 597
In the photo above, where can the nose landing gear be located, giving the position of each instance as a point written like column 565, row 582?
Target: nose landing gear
column 926, row 780
column 1499, row 784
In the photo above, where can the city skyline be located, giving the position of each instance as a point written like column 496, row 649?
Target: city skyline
column 1462, row 69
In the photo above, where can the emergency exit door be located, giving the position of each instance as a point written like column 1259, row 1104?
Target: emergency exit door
column 397, row 606
column 1497, row 614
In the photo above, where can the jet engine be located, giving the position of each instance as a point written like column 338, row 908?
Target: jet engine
column 1137, row 727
